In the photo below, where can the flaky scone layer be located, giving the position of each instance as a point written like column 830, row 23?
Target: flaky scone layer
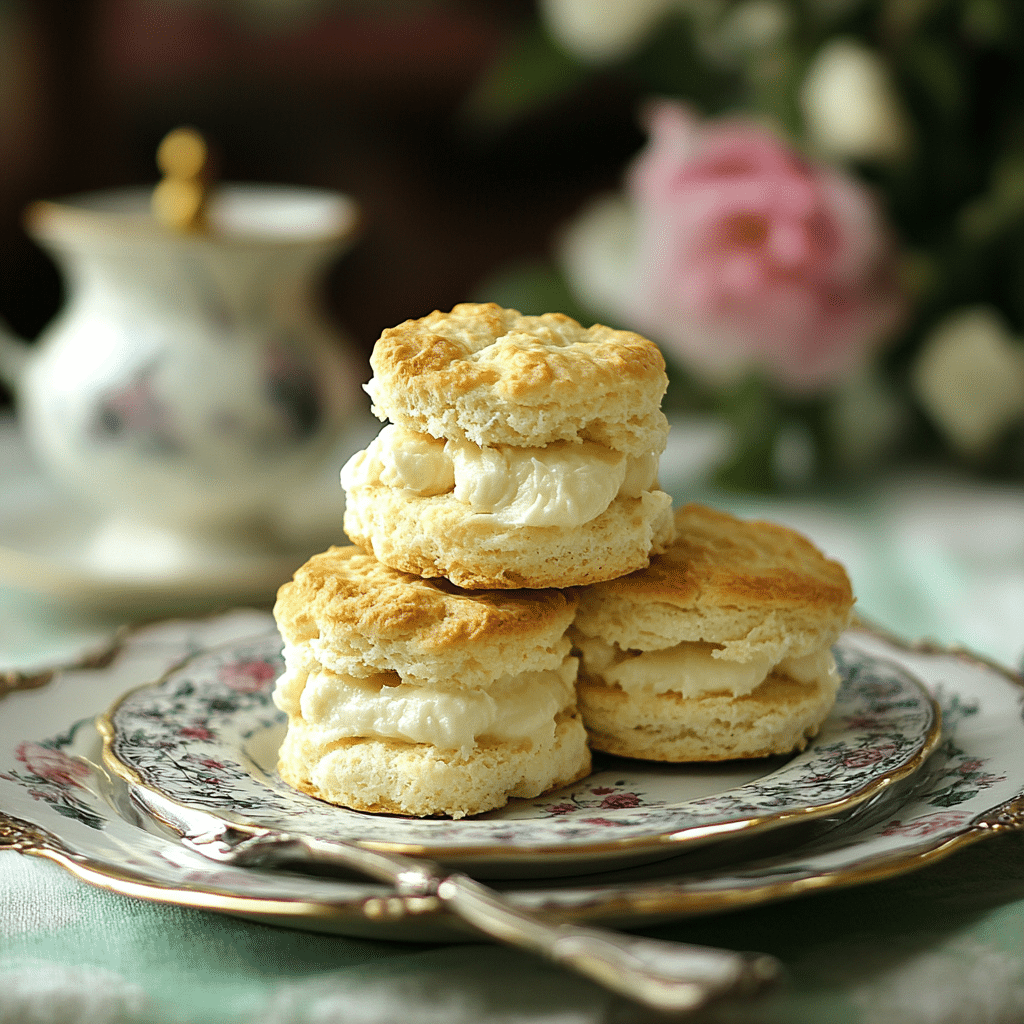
column 387, row 776
column 357, row 615
column 720, row 649
column 439, row 536
column 754, row 589
column 493, row 376
column 776, row 718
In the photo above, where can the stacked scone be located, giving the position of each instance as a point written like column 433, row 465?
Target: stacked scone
column 522, row 451
column 415, row 697
column 428, row 668
column 721, row 649
column 519, row 581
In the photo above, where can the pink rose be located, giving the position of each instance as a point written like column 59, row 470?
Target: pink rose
column 750, row 257
column 620, row 800
column 52, row 765
column 561, row 808
column 246, row 676
column 862, row 758
column 195, row 732
column 927, row 825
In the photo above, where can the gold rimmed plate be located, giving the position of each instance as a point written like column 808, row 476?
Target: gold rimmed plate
column 206, row 736
column 60, row 803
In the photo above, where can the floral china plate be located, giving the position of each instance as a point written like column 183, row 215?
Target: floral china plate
column 60, row 803
column 207, row 735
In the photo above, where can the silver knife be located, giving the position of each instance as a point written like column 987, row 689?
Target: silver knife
column 665, row 976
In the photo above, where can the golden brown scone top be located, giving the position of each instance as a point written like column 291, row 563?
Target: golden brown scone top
column 719, row 562
column 495, row 376
column 343, row 590
column 483, row 344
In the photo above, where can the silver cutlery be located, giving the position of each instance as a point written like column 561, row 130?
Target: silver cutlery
column 665, row 976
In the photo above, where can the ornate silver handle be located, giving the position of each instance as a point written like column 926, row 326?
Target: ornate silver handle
column 665, row 976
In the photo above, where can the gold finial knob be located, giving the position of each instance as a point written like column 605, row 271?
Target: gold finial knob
column 179, row 200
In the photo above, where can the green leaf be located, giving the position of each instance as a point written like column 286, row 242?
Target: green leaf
column 754, row 413
column 952, row 796
column 1002, row 207
column 987, row 21
column 671, row 62
column 531, row 73
column 905, row 17
column 533, row 287
column 938, row 72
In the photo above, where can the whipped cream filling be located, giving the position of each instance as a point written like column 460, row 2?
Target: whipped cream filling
column 382, row 706
column 562, row 484
column 693, row 670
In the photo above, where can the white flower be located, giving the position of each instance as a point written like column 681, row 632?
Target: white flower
column 851, row 106
column 602, row 30
column 756, row 24
column 969, row 377
column 729, row 34
column 597, row 256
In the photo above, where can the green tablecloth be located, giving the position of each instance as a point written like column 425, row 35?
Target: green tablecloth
column 928, row 557
column 945, row 944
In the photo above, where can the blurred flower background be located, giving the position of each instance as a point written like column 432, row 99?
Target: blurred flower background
column 816, row 207
column 824, row 228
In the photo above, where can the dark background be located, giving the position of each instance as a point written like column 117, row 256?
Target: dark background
column 378, row 100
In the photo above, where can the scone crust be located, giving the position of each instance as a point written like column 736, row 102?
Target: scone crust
column 754, row 587
column 494, row 376
column 381, row 619
column 388, row 776
column 441, row 536
column 776, row 718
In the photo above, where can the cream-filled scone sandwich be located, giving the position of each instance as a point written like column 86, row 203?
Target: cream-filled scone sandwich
column 720, row 649
column 522, row 451
column 411, row 696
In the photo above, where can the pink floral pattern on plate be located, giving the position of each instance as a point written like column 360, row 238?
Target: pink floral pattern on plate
column 54, row 797
column 56, row 778
column 207, row 736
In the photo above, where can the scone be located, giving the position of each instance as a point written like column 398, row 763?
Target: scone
column 410, row 696
column 522, row 451
column 720, row 649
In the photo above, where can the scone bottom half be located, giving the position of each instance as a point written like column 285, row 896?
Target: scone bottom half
column 521, row 452
column 720, row 650
column 412, row 696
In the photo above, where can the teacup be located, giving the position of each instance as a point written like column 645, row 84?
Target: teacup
column 191, row 381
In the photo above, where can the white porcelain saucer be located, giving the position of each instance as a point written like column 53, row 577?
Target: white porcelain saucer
column 49, row 544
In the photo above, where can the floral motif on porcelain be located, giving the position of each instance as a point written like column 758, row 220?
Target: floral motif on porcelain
column 207, row 735
column 109, row 845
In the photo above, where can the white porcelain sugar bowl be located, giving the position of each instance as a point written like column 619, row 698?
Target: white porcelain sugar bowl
column 190, row 382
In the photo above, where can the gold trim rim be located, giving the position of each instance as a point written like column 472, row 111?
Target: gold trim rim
column 666, row 842
column 637, row 905
column 36, row 842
